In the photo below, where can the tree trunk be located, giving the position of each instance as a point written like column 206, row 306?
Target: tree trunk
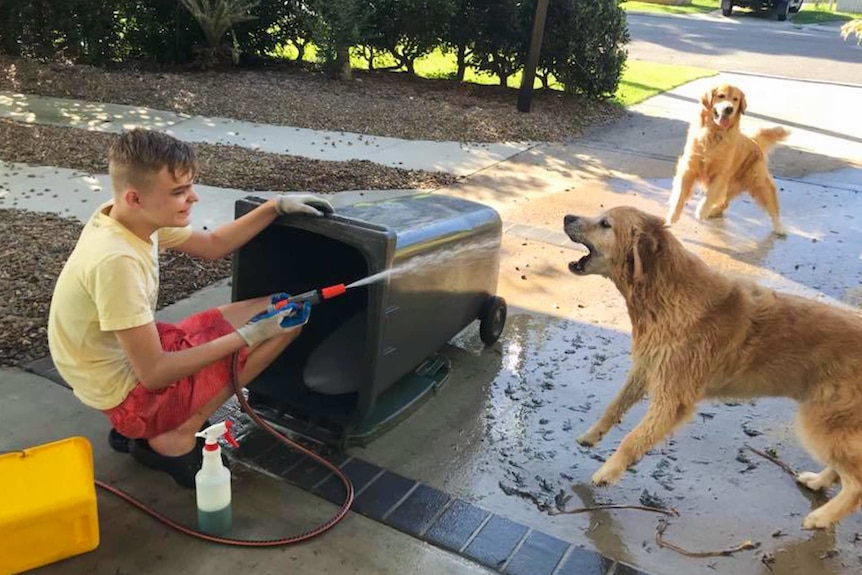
column 342, row 63
column 462, row 63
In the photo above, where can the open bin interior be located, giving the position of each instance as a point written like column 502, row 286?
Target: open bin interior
column 293, row 260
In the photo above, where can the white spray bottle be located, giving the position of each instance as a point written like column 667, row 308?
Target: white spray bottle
column 212, row 482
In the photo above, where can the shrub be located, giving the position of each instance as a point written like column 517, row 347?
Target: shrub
column 408, row 29
column 584, row 44
column 338, row 27
column 79, row 30
column 216, row 19
column 500, row 38
column 459, row 34
column 281, row 22
column 160, row 31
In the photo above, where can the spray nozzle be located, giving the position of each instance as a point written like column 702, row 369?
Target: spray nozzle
column 314, row 296
column 213, row 432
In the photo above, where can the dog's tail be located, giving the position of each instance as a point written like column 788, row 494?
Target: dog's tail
column 766, row 138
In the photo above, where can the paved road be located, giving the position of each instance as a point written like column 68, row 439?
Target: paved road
column 747, row 43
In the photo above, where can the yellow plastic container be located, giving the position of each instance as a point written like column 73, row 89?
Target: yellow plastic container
column 47, row 504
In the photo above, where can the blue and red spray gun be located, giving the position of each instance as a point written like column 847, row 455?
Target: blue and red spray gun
column 314, row 296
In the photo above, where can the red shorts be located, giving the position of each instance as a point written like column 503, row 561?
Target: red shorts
column 146, row 413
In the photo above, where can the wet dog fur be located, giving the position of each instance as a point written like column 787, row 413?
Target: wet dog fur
column 698, row 334
column 724, row 161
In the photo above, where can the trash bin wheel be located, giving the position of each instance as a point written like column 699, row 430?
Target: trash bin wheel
column 492, row 320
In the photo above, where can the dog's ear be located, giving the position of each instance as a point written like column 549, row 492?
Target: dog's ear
column 706, row 108
column 642, row 257
column 706, row 99
column 742, row 103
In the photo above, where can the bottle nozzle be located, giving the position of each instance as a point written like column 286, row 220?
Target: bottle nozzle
column 213, row 432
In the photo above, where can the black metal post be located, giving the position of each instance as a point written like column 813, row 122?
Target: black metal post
column 525, row 95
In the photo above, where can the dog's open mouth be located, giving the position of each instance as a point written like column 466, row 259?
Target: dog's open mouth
column 722, row 120
column 580, row 266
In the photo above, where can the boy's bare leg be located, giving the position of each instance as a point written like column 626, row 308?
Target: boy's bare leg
column 181, row 440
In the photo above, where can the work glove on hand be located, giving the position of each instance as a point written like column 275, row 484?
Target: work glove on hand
column 276, row 299
column 302, row 203
column 269, row 324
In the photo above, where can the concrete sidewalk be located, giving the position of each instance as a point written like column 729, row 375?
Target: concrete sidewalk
column 456, row 158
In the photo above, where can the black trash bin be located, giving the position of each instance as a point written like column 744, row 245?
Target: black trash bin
column 366, row 359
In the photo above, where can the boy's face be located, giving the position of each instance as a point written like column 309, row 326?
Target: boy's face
column 168, row 201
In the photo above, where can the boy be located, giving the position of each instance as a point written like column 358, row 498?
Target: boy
column 158, row 383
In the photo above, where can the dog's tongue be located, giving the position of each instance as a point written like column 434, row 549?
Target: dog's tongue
column 724, row 121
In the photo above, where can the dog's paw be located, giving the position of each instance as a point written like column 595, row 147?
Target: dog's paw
column 813, row 481
column 817, row 520
column 589, row 439
column 607, row 474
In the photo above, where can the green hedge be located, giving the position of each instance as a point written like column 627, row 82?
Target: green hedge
column 583, row 46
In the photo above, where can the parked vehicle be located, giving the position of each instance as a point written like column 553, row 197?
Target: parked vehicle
column 782, row 8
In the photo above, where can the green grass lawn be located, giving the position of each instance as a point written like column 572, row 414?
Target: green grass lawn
column 811, row 14
column 696, row 7
column 640, row 80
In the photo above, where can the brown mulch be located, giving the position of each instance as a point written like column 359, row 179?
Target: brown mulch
column 375, row 103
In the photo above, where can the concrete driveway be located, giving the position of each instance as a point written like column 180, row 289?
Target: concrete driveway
column 495, row 447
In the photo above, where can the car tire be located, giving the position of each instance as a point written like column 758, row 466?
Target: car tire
column 782, row 10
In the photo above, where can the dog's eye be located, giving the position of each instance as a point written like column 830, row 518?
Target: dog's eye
column 605, row 223
column 720, row 96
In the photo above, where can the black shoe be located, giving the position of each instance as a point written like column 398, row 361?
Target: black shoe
column 121, row 444
column 182, row 468
column 118, row 441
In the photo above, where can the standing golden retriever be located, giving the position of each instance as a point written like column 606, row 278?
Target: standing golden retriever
column 698, row 334
column 725, row 161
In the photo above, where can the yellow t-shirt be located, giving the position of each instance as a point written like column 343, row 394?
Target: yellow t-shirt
column 110, row 282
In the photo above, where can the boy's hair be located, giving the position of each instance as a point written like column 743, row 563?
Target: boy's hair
column 139, row 154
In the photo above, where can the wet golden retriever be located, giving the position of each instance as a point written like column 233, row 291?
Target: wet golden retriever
column 698, row 334
column 725, row 161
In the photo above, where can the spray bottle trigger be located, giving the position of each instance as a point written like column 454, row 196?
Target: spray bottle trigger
column 229, row 436
column 213, row 432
